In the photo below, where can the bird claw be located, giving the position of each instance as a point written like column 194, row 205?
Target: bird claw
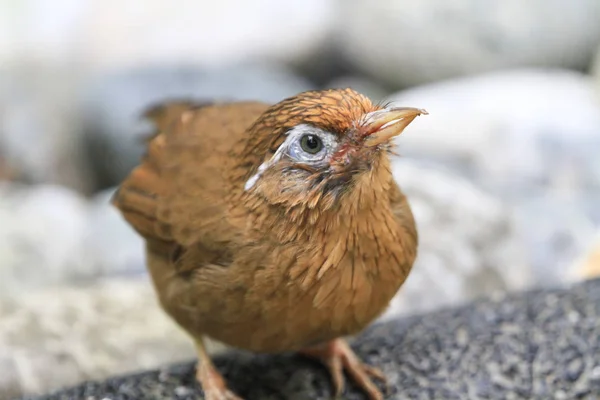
column 337, row 356
column 213, row 384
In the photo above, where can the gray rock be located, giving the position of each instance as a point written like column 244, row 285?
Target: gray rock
column 408, row 43
column 57, row 337
column 467, row 241
column 51, row 235
column 42, row 236
column 557, row 230
column 327, row 64
column 91, row 35
column 113, row 104
column 112, row 244
column 538, row 345
column 531, row 138
column 39, row 131
column 509, row 128
column 595, row 71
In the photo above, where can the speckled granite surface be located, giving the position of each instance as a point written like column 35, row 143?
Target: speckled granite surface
column 538, row 345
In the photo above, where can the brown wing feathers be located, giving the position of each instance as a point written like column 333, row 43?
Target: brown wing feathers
column 178, row 195
column 137, row 197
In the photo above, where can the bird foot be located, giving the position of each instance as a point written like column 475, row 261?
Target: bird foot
column 337, row 356
column 213, row 384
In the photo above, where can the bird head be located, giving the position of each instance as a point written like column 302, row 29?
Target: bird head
column 318, row 147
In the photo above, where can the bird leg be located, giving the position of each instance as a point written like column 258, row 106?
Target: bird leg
column 337, row 356
column 212, row 382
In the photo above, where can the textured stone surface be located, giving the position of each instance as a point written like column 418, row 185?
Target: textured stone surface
column 408, row 42
column 537, row 345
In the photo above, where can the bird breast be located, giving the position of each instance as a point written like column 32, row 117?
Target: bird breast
column 289, row 296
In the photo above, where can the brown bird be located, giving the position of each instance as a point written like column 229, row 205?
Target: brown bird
column 274, row 228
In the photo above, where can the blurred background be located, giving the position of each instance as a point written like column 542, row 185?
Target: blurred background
column 503, row 175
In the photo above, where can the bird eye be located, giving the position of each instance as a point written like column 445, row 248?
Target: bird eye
column 311, row 144
column 307, row 144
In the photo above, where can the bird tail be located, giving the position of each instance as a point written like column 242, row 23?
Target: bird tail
column 137, row 197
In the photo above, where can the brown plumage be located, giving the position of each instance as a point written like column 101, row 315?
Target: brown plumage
column 256, row 240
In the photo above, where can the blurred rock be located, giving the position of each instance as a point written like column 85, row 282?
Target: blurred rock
column 529, row 136
column 326, row 64
column 51, row 236
column 409, row 42
column 114, row 247
column 588, row 266
column 556, row 230
column 42, row 236
column 57, row 337
column 371, row 89
column 39, row 131
column 595, row 71
column 467, row 243
column 113, row 103
column 106, row 35
column 510, row 129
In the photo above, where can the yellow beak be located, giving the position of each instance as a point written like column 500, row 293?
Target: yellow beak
column 382, row 125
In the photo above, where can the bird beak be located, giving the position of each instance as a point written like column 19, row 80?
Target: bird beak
column 382, row 125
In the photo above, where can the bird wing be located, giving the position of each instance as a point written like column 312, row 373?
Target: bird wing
column 176, row 197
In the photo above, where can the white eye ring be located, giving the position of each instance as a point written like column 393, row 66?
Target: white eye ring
column 292, row 148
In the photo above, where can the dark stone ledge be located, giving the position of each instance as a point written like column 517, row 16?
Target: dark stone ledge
column 543, row 344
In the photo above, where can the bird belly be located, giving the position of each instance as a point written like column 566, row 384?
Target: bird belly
column 291, row 318
column 278, row 330
column 265, row 311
